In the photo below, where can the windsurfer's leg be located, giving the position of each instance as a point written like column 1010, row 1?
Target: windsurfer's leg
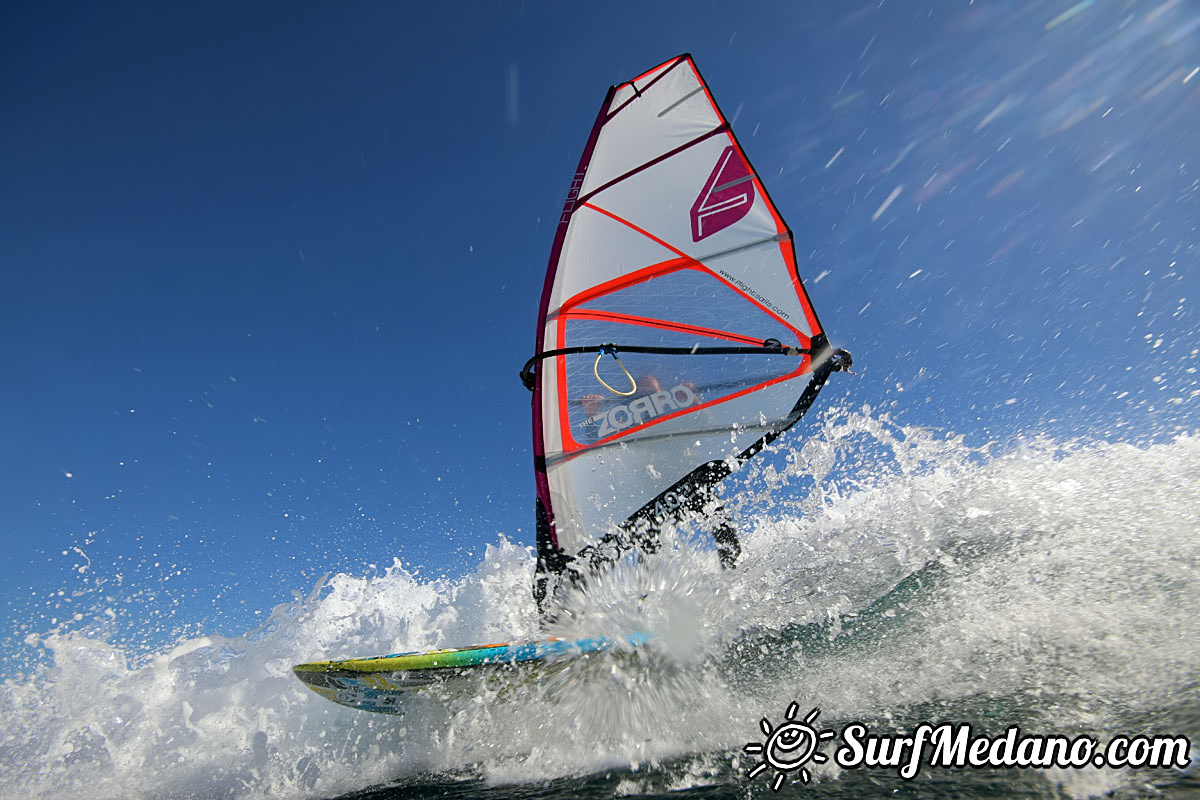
column 552, row 574
column 549, row 560
column 728, row 546
column 541, row 585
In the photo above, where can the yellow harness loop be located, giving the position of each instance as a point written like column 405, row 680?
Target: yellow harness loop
column 604, row 383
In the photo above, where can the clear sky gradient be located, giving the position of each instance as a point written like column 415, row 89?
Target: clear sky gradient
column 268, row 272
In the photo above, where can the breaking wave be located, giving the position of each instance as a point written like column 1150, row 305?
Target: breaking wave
column 888, row 575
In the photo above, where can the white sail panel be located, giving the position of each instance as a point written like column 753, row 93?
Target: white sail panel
column 669, row 112
column 627, row 91
column 638, row 203
column 603, row 249
column 754, row 271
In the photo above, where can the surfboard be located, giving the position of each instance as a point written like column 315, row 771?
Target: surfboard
column 382, row 683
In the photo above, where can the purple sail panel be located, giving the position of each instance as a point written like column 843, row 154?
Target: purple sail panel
column 727, row 196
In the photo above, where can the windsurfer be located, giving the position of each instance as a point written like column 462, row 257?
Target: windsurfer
column 557, row 570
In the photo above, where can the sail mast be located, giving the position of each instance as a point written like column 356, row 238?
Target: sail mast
column 541, row 482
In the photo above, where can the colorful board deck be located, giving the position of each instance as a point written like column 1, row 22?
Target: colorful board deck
column 381, row 683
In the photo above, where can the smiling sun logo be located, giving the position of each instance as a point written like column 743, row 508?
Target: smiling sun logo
column 789, row 747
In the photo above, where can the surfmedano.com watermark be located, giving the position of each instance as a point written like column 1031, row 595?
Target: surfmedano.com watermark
column 792, row 744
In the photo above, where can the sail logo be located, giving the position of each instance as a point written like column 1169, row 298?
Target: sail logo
column 726, row 197
column 628, row 415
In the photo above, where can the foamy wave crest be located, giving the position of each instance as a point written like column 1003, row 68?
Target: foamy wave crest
column 224, row 717
column 888, row 574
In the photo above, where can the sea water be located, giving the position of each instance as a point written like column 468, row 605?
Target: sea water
column 889, row 576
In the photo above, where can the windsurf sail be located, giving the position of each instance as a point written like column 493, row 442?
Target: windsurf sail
column 674, row 336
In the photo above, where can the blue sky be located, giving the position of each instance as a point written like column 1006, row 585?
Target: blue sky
column 267, row 275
